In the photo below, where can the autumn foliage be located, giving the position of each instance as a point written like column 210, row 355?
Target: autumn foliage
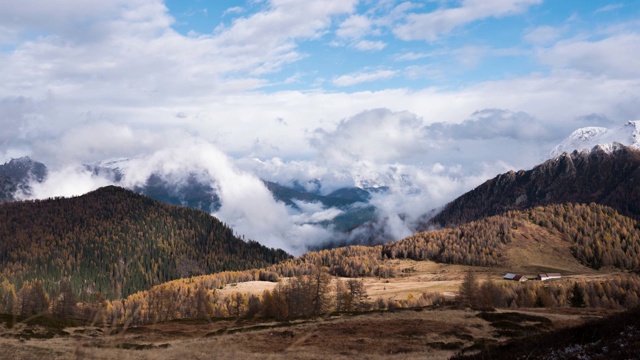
column 115, row 242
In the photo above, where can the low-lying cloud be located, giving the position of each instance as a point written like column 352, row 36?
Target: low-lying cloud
column 411, row 168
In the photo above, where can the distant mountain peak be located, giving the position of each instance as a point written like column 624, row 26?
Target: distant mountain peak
column 587, row 138
column 16, row 174
column 22, row 159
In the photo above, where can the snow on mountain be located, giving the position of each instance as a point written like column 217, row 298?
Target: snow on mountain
column 588, row 137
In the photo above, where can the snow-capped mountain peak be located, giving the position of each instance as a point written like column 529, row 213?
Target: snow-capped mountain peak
column 585, row 139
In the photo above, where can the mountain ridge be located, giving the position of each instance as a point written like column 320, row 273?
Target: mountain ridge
column 588, row 137
column 602, row 176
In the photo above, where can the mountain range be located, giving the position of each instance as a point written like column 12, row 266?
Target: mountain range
column 360, row 221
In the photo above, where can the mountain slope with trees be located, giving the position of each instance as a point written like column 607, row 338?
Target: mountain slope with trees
column 593, row 234
column 607, row 176
column 588, row 236
column 116, row 242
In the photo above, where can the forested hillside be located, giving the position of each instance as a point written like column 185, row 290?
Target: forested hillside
column 116, row 242
column 596, row 235
column 610, row 178
column 125, row 242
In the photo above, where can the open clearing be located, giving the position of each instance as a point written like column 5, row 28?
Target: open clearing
column 417, row 277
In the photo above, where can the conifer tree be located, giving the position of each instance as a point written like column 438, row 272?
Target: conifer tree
column 577, row 296
column 468, row 292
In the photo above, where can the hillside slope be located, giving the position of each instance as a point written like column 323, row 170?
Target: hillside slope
column 116, row 242
column 607, row 176
column 595, row 235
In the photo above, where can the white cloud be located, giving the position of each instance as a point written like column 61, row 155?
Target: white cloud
column 361, row 77
column 68, row 181
column 76, row 20
column 367, row 45
column 410, row 56
column 610, row 7
column 430, row 26
column 613, row 56
column 354, row 27
column 373, row 136
column 233, row 10
column 314, row 212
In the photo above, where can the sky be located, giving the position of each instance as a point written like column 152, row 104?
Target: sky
column 428, row 97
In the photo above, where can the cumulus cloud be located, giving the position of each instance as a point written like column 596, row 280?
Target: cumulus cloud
column 375, row 135
column 382, row 136
column 354, row 27
column 74, row 20
column 429, row 26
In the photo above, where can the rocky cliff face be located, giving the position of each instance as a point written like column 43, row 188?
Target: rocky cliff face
column 607, row 175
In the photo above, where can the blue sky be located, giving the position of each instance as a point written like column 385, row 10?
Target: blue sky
column 484, row 47
column 430, row 98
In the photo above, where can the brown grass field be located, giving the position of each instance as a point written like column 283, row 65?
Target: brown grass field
column 399, row 334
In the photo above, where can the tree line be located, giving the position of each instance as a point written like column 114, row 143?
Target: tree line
column 308, row 295
column 617, row 292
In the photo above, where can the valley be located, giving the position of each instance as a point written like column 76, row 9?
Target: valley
column 434, row 331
